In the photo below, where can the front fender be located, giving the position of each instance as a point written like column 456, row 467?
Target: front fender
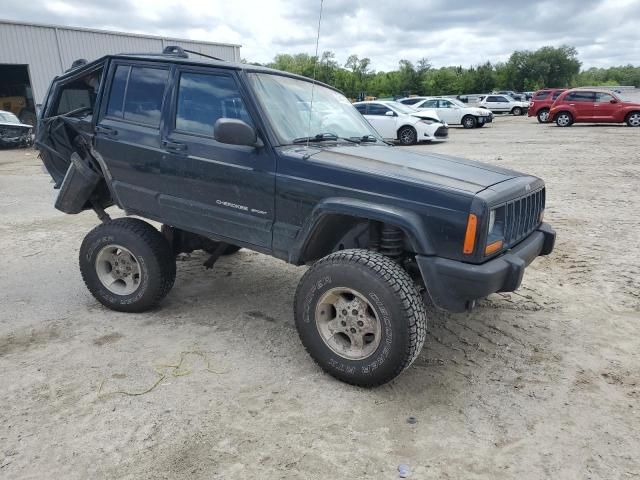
column 412, row 224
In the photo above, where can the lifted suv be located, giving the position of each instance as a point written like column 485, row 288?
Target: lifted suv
column 228, row 156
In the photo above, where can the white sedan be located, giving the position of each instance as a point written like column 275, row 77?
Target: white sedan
column 406, row 125
column 452, row 111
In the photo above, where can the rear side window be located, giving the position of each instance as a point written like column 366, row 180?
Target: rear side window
column 541, row 95
column 204, row 98
column 581, row 96
column 377, row 109
column 603, row 97
column 410, row 101
column 361, row 108
column 137, row 94
column 556, row 94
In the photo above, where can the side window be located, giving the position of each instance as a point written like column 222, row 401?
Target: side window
column 445, row 104
column 78, row 94
column 556, row 94
column 377, row 109
column 603, row 97
column 410, row 101
column 492, row 99
column 361, row 108
column 137, row 94
column 430, row 104
column 541, row 95
column 204, row 98
column 502, row 99
column 581, row 96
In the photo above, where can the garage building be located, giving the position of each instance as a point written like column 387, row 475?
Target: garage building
column 32, row 54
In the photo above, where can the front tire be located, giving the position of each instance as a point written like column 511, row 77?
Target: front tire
column 360, row 317
column 469, row 121
column 633, row 119
column 543, row 115
column 517, row 111
column 564, row 119
column 127, row 265
column 407, row 136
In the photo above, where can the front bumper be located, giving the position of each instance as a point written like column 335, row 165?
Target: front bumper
column 485, row 118
column 454, row 285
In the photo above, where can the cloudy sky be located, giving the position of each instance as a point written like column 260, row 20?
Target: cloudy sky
column 448, row 32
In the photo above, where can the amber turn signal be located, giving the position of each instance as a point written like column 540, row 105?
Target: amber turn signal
column 493, row 247
column 470, row 236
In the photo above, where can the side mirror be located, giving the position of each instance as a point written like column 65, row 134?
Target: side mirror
column 389, row 113
column 613, row 100
column 235, row 132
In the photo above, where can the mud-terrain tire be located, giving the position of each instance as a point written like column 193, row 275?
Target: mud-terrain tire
column 360, row 317
column 469, row 121
column 127, row 265
column 407, row 136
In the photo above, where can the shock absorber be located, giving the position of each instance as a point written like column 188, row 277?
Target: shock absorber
column 391, row 241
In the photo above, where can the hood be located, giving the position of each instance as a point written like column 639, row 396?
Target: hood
column 410, row 166
column 426, row 113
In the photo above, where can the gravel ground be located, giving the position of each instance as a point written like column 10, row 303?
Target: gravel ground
column 541, row 383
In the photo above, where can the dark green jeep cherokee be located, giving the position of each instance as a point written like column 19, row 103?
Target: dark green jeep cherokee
column 228, row 156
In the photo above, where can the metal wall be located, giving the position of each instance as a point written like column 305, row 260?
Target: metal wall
column 49, row 50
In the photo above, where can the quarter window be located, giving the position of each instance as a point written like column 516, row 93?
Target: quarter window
column 204, row 98
column 581, row 96
column 603, row 97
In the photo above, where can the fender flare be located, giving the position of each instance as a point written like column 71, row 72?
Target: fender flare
column 408, row 221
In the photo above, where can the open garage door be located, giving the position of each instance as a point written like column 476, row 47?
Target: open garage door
column 16, row 95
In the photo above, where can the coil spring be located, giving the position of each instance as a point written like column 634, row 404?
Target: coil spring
column 391, row 241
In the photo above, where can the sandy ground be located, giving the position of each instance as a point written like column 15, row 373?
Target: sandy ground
column 543, row 383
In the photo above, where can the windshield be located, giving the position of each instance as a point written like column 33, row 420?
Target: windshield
column 8, row 117
column 287, row 101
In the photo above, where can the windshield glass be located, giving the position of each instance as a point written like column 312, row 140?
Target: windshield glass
column 8, row 117
column 287, row 102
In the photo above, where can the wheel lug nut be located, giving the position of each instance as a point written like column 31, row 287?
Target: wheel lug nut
column 354, row 312
column 360, row 323
column 344, row 324
column 344, row 312
column 353, row 330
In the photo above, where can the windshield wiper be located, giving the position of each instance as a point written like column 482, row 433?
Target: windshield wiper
column 324, row 137
column 368, row 138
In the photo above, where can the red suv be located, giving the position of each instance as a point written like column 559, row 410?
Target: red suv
column 541, row 103
column 595, row 106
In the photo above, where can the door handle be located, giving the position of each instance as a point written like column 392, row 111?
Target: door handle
column 112, row 132
column 174, row 146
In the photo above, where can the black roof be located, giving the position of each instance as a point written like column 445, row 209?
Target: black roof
column 185, row 60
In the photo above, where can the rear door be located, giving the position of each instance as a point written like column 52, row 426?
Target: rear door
column 128, row 134
column 383, row 123
column 448, row 112
column 582, row 102
column 226, row 191
column 497, row 103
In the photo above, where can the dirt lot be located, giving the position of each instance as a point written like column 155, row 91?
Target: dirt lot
column 542, row 383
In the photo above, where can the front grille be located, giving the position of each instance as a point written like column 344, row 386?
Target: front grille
column 12, row 131
column 522, row 216
column 442, row 132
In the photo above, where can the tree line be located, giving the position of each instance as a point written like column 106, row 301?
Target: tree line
column 524, row 71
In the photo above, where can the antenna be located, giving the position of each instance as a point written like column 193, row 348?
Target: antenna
column 315, row 64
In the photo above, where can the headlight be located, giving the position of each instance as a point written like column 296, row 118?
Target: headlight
column 492, row 221
column 495, row 231
column 429, row 121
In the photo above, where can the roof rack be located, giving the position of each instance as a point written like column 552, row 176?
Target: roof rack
column 175, row 51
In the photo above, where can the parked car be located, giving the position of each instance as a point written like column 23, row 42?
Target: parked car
column 228, row 155
column 402, row 123
column 541, row 103
column 14, row 133
column 453, row 111
column 510, row 93
column 593, row 106
column 503, row 104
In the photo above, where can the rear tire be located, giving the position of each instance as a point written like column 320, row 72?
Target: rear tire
column 360, row 317
column 564, row 119
column 407, row 136
column 469, row 121
column 543, row 115
column 633, row 119
column 127, row 265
